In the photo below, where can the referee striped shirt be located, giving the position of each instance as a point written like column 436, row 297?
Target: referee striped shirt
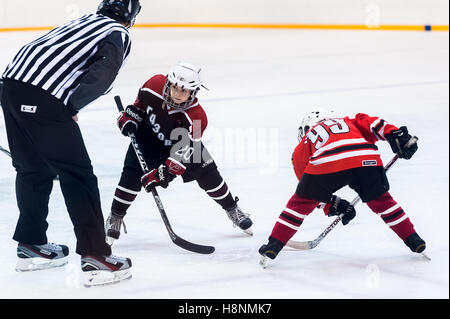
column 57, row 61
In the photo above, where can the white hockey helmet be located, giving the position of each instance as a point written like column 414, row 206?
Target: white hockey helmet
column 312, row 118
column 188, row 77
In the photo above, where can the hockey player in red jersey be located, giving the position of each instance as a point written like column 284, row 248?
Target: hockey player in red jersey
column 336, row 152
column 168, row 122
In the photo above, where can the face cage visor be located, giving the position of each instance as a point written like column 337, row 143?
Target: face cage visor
column 301, row 132
column 133, row 20
column 170, row 103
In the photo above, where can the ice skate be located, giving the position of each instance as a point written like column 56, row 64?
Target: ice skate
column 264, row 261
column 269, row 251
column 416, row 244
column 241, row 219
column 37, row 257
column 105, row 270
column 112, row 227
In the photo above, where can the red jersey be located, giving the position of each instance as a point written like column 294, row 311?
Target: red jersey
column 163, row 119
column 339, row 144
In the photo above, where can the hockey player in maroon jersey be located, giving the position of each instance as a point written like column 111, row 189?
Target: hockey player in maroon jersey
column 168, row 122
column 336, row 152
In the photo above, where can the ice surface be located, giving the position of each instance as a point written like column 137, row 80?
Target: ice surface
column 261, row 83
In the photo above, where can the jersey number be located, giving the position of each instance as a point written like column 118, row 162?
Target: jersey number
column 319, row 135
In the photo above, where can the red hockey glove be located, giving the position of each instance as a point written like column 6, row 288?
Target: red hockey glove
column 129, row 119
column 339, row 206
column 162, row 175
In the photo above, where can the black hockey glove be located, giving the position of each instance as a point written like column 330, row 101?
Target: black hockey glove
column 272, row 249
column 130, row 119
column 341, row 206
column 398, row 140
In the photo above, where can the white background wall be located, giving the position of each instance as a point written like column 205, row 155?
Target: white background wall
column 28, row 13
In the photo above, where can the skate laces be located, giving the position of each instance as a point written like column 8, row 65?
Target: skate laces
column 113, row 257
column 115, row 222
column 51, row 246
column 237, row 215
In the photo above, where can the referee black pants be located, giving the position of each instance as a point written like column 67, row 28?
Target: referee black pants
column 44, row 142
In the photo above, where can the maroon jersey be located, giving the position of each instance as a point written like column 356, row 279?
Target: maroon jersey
column 162, row 120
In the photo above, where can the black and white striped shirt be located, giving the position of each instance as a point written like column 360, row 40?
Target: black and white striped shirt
column 57, row 61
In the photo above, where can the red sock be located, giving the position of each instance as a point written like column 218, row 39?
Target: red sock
column 392, row 214
column 292, row 217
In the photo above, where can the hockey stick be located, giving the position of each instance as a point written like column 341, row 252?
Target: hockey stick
column 201, row 249
column 305, row 245
column 5, row 151
column 9, row 154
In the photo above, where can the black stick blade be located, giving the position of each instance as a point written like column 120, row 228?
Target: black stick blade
column 196, row 248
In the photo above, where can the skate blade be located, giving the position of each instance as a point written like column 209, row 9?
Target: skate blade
column 110, row 240
column 248, row 231
column 426, row 256
column 104, row 277
column 264, row 261
column 37, row 263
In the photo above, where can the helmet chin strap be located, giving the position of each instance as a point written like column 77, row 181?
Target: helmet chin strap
column 180, row 106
